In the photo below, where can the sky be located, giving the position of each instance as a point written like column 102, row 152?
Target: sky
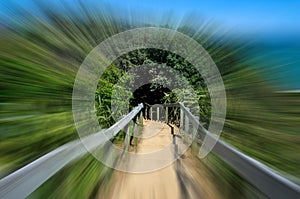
column 254, row 15
column 275, row 22
column 281, row 16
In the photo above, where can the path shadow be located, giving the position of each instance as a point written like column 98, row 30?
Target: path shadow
column 172, row 128
column 188, row 187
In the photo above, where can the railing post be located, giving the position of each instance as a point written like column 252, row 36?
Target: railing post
column 157, row 113
column 151, row 113
column 135, row 133
column 128, row 135
column 187, row 128
column 186, row 124
column 141, row 118
column 167, row 114
column 181, row 119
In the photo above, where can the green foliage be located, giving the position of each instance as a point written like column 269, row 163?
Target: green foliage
column 78, row 180
column 39, row 60
column 103, row 95
column 162, row 76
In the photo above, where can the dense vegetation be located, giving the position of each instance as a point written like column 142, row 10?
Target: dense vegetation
column 156, row 92
column 39, row 60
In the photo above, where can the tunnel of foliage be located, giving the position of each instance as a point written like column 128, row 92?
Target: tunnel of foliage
column 156, row 92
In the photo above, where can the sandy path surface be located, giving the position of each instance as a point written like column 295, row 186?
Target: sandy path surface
column 177, row 181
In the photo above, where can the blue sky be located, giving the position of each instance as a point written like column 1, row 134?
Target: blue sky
column 258, row 16
column 254, row 15
column 276, row 22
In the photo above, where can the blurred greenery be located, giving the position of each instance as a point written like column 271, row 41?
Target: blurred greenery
column 226, row 180
column 39, row 58
column 82, row 179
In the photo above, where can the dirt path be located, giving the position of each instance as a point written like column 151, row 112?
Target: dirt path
column 180, row 180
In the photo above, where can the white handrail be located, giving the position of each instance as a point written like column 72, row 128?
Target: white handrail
column 259, row 175
column 24, row 181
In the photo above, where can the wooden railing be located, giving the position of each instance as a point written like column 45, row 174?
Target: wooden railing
column 259, row 175
column 24, row 181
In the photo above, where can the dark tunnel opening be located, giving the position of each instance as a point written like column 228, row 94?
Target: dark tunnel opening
column 149, row 95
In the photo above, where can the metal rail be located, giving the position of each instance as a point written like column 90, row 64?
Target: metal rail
column 24, row 181
column 259, row 175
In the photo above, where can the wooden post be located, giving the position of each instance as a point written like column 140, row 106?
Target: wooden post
column 135, row 134
column 151, row 113
column 167, row 114
column 141, row 118
column 157, row 113
column 127, row 133
column 186, row 128
column 194, row 143
column 181, row 118
column 187, row 125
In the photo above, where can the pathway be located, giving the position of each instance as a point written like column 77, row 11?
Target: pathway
column 179, row 180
